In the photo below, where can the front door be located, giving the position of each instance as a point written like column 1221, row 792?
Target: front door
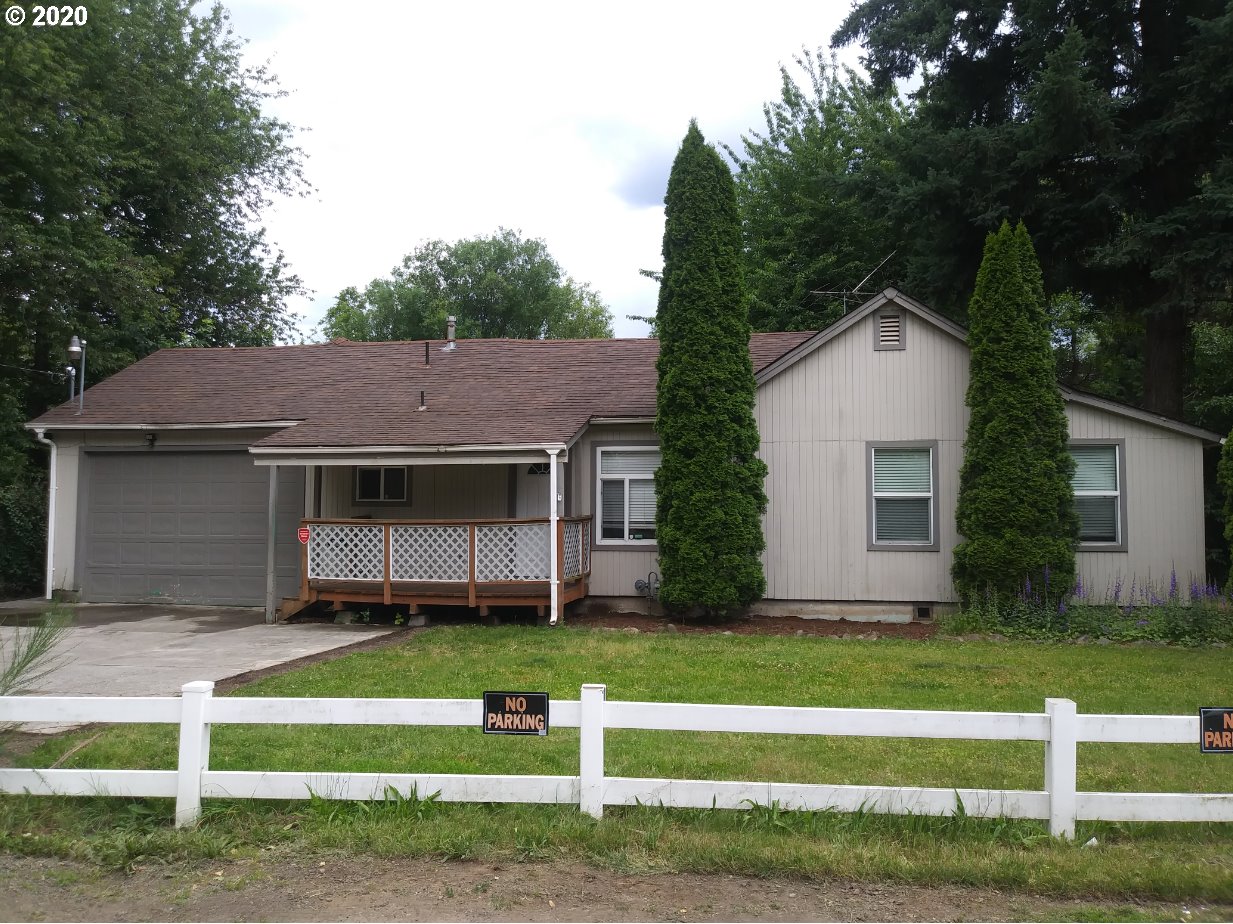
column 532, row 490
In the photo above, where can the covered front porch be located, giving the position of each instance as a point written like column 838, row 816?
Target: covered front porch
column 478, row 527
column 478, row 563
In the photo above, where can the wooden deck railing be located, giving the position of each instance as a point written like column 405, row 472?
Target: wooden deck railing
column 456, row 558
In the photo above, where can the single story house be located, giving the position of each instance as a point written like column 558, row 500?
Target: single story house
column 490, row 472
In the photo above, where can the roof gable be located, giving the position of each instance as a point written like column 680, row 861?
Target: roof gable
column 827, row 334
column 892, row 296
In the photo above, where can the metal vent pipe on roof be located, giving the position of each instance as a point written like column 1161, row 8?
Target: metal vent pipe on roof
column 451, row 327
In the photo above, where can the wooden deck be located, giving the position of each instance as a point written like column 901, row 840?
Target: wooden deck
column 416, row 594
column 475, row 563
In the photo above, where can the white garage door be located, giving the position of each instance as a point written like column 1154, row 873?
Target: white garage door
column 185, row 527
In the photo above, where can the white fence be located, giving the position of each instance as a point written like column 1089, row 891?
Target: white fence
column 1059, row 727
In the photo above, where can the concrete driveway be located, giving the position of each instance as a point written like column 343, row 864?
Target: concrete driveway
column 134, row 650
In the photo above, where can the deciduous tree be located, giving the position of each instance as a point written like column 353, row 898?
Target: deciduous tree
column 134, row 161
column 803, row 186
column 496, row 286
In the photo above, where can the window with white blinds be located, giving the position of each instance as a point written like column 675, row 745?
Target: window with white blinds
column 902, row 495
column 626, row 494
column 1098, row 495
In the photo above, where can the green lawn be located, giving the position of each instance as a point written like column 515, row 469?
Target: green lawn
column 1165, row 861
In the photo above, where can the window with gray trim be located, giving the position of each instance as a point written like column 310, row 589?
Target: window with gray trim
column 903, row 496
column 381, row 484
column 1097, row 483
column 625, row 494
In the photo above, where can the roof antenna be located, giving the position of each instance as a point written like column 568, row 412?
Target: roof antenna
column 856, row 290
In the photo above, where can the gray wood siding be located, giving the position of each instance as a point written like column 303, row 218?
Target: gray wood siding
column 438, row 492
column 613, row 571
column 815, row 420
column 1164, row 510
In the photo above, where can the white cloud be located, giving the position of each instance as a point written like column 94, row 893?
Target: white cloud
column 558, row 119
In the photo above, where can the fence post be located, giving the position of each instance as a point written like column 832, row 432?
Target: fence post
column 194, row 750
column 591, row 750
column 1061, row 766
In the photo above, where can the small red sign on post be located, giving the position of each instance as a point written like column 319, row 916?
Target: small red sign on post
column 303, row 534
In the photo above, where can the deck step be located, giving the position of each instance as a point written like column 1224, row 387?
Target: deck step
column 290, row 606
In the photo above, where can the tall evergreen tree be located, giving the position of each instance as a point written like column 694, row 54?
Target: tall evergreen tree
column 1109, row 123
column 1224, row 476
column 1016, row 505
column 709, row 490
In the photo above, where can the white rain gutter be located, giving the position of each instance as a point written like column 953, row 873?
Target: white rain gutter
column 553, row 538
column 426, row 450
column 236, row 425
column 51, row 509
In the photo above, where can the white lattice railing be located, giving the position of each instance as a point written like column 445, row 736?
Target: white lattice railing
column 492, row 551
column 576, row 543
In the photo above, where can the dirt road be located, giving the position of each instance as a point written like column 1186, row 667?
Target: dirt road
column 366, row 889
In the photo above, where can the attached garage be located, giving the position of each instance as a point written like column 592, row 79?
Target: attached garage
column 183, row 527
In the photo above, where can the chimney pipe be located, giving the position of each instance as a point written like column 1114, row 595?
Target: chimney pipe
column 451, row 326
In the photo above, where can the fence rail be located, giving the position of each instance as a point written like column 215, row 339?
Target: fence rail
column 196, row 710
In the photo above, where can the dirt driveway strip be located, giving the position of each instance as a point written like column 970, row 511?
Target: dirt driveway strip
column 153, row 650
column 332, row 888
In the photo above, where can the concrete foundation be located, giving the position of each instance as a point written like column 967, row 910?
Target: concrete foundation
column 804, row 609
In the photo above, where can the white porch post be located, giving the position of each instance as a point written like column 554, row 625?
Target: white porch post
column 554, row 575
column 271, row 545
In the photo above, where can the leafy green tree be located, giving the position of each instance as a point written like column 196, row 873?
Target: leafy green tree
column 709, row 486
column 134, row 160
column 1109, row 124
column 1016, row 505
column 801, row 186
column 496, row 286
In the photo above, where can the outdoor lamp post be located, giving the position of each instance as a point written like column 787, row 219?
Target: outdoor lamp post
column 77, row 351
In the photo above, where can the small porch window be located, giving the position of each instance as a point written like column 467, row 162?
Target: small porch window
column 381, row 484
column 626, row 494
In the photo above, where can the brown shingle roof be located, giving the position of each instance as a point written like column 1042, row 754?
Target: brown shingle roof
column 365, row 394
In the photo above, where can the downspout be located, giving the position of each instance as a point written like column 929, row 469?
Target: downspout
column 554, row 576
column 51, row 510
column 271, row 546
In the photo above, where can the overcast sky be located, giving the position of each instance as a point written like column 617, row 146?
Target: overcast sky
column 559, row 120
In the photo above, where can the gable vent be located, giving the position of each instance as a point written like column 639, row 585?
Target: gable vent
column 888, row 331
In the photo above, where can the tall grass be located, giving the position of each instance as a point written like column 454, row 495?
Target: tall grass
column 29, row 650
